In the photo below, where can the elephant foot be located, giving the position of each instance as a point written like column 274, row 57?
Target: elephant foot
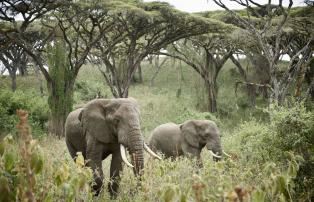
column 96, row 190
column 97, row 187
column 113, row 189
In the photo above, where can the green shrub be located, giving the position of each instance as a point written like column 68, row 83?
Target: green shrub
column 253, row 140
column 294, row 129
column 87, row 90
column 189, row 114
column 288, row 130
column 25, row 174
column 30, row 101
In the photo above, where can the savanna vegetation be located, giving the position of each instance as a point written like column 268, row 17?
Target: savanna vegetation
column 226, row 66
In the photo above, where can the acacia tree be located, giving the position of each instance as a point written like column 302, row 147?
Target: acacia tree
column 78, row 27
column 206, row 54
column 295, row 35
column 269, row 36
column 81, row 24
column 142, row 29
column 256, row 74
column 14, row 59
column 17, row 32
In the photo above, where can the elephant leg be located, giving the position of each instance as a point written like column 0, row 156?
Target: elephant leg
column 94, row 155
column 199, row 162
column 71, row 149
column 115, row 168
column 194, row 153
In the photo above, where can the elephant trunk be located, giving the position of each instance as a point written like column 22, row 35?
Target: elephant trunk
column 216, row 150
column 136, row 149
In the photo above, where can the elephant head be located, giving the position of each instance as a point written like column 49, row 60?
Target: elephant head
column 201, row 133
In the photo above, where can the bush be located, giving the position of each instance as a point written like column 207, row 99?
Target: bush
column 23, row 167
column 288, row 130
column 294, row 129
column 189, row 114
column 11, row 101
column 86, row 91
column 252, row 139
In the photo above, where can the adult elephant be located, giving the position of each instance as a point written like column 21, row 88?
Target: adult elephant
column 187, row 139
column 103, row 127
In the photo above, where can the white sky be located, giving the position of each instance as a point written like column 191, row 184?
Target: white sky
column 206, row 5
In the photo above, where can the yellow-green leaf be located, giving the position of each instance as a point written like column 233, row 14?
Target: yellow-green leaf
column 37, row 163
column 169, row 194
column 79, row 161
column 2, row 148
column 9, row 161
column 258, row 196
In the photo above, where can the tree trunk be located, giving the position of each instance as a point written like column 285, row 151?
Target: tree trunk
column 251, row 94
column 12, row 73
column 56, row 126
column 150, row 59
column 13, row 84
column 299, row 82
column 60, row 104
column 60, row 86
column 40, row 80
column 22, row 65
column 212, row 95
column 125, row 92
column 140, row 76
column 277, row 96
column 311, row 92
column 309, row 95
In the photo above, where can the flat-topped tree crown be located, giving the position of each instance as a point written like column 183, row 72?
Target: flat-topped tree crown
column 140, row 29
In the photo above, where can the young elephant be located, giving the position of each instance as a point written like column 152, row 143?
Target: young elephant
column 187, row 139
column 103, row 127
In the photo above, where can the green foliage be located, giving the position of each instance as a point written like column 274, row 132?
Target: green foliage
column 24, row 172
column 260, row 168
column 188, row 114
column 249, row 136
column 294, row 130
column 59, row 69
column 288, row 130
column 60, row 89
column 86, row 91
column 29, row 100
column 304, row 11
column 228, row 180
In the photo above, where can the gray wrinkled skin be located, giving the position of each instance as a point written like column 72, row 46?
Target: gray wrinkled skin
column 97, row 130
column 186, row 139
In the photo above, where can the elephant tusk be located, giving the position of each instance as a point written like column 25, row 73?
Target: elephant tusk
column 151, row 152
column 123, row 155
column 226, row 154
column 215, row 155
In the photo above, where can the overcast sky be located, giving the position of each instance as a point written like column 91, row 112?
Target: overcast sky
column 205, row 5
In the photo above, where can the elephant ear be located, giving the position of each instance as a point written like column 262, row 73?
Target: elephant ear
column 189, row 132
column 80, row 115
column 97, row 121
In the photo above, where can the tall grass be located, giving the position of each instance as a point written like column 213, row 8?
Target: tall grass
column 239, row 178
